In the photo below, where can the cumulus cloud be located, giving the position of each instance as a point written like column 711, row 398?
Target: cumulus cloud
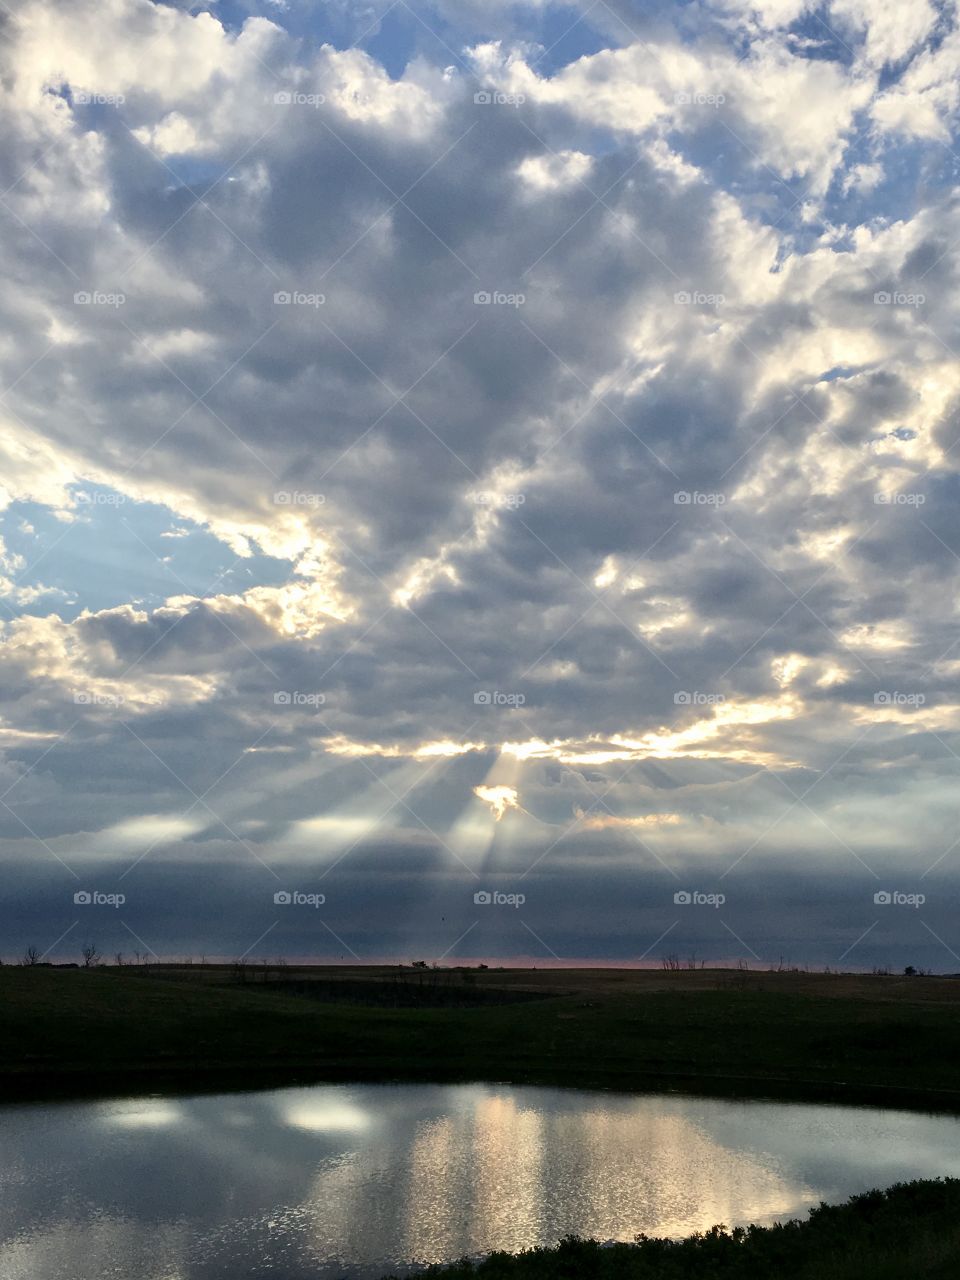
column 576, row 430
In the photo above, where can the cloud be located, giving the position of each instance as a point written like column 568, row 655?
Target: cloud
column 609, row 385
column 499, row 798
column 611, row 822
column 651, row 87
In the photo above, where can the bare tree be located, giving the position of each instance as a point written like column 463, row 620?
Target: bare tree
column 91, row 956
column 31, row 957
column 118, row 957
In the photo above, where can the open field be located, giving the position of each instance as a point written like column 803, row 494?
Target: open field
column 852, row 1038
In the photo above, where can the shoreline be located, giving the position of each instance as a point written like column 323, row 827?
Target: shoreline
column 132, row 1082
column 908, row 1228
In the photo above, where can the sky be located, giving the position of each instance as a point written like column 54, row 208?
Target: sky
column 479, row 481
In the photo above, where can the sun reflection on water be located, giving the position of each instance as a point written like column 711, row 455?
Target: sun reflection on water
column 497, row 1173
column 338, row 1181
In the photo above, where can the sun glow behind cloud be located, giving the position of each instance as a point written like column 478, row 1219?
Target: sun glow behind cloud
column 613, row 822
column 688, row 507
column 499, row 797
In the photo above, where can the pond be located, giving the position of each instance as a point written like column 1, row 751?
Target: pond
column 355, row 1181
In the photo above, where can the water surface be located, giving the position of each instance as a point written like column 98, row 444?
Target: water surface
column 334, row 1181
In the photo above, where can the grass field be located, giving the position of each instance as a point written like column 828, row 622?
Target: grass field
column 853, row 1038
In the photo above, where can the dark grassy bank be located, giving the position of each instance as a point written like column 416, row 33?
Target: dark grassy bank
column 403, row 991
column 911, row 1230
column 845, row 1038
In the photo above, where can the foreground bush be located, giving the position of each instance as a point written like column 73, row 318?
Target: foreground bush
column 911, row 1230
